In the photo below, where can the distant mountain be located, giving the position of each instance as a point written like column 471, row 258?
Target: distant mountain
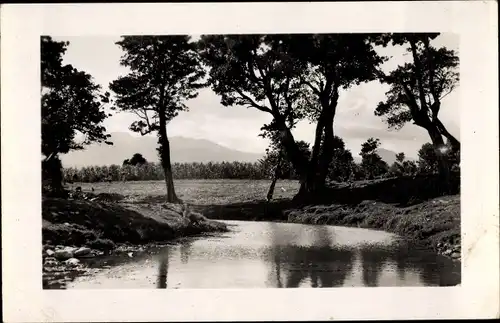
column 182, row 150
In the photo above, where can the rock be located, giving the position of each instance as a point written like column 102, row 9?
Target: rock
column 455, row 255
column 447, row 252
column 48, row 246
column 49, row 252
column 66, row 224
column 59, row 247
column 71, row 249
column 81, row 252
column 130, row 254
column 62, row 254
column 72, row 262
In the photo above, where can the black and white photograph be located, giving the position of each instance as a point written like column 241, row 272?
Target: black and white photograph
column 253, row 160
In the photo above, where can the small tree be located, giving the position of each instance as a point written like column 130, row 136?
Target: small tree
column 400, row 157
column 341, row 168
column 165, row 72
column 371, row 162
column 72, row 104
column 137, row 159
column 402, row 167
column 427, row 159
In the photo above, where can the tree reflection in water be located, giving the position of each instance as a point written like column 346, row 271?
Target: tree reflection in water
column 323, row 263
column 373, row 260
column 163, row 270
column 186, row 251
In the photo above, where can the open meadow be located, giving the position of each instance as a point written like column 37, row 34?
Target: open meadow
column 198, row 192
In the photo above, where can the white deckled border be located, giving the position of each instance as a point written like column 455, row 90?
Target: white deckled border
column 24, row 299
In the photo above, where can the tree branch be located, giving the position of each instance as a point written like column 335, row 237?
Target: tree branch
column 431, row 69
column 251, row 102
column 309, row 84
column 418, row 72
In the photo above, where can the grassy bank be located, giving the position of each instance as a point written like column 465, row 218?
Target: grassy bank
column 102, row 225
column 434, row 223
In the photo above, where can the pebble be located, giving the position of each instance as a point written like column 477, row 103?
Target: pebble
column 49, row 252
column 447, row 252
column 455, row 255
column 72, row 262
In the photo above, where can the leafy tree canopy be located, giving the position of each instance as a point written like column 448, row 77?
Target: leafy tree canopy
column 417, row 87
column 165, row 72
column 72, row 103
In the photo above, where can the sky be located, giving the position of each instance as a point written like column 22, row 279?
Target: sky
column 238, row 127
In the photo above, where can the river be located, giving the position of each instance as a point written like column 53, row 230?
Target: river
column 277, row 255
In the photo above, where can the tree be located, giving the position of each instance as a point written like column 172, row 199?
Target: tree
column 165, row 72
column 371, row 162
column 290, row 78
column 72, row 105
column 137, row 159
column 400, row 157
column 341, row 168
column 334, row 63
column 402, row 167
column 427, row 159
column 417, row 89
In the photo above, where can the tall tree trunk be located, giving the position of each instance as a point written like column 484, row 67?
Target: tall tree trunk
column 308, row 180
column 274, row 178
column 455, row 144
column 443, row 164
column 52, row 176
column 293, row 153
column 164, row 150
column 327, row 150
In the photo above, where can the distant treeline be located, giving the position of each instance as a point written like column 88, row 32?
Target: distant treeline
column 153, row 171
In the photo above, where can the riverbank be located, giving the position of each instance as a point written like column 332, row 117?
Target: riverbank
column 434, row 223
column 74, row 229
column 409, row 206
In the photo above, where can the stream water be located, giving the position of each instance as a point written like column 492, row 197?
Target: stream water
column 277, row 255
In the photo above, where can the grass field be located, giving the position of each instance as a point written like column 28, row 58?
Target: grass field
column 199, row 192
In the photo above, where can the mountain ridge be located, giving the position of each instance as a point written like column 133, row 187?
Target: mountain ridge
column 183, row 150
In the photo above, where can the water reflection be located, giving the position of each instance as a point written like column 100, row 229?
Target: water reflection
column 185, row 251
column 319, row 264
column 373, row 260
column 282, row 255
column 161, row 281
column 310, row 256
